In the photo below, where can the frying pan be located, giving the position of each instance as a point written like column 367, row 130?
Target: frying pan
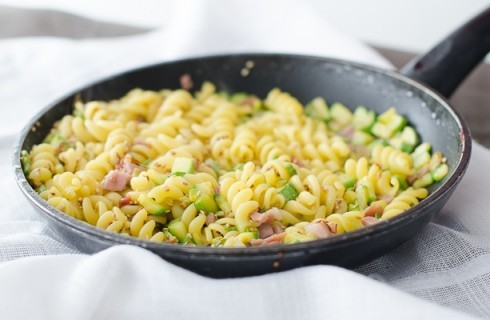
column 305, row 77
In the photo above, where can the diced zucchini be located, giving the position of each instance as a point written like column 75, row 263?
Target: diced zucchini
column 353, row 207
column 364, row 118
column 178, row 229
column 381, row 130
column 201, row 189
column 26, row 161
column 405, row 147
column 78, row 114
column 224, row 95
column 340, row 113
column 409, row 139
column 369, row 189
column 206, row 203
column 318, row 109
column 420, row 159
column 58, row 141
column 194, row 194
column 393, row 119
column 361, row 138
column 440, row 172
column 406, row 140
column 152, row 206
column 52, row 135
column 422, row 148
column 289, row 192
column 424, row 181
column 246, row 237
column 347, row 181
column 202, row 195
column 362, row 196
column 403, row 182
column 409, row 136
column 388, row 123
column 223, row 205
column 238, row 97
column 183, row 165
column 291, row 170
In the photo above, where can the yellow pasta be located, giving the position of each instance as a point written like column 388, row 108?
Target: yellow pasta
column 230, row 170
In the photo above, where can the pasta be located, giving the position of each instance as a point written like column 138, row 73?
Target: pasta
column 230, row 170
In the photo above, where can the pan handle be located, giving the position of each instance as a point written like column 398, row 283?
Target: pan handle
column 446, row 65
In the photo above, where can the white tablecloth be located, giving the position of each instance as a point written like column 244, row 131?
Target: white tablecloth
column 443, row 273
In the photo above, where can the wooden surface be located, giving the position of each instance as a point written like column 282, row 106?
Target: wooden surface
column 472, row 99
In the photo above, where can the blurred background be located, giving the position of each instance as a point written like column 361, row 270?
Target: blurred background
column 408, row 25
column 397, row 29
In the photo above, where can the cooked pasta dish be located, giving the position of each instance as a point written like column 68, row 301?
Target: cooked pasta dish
column 230, row 169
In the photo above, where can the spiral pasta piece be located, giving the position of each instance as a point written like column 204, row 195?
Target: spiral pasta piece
column 404, row 201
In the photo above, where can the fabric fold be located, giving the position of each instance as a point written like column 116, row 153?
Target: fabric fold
column 126, row 282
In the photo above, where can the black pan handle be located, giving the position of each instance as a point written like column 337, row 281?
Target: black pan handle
column 446, row 65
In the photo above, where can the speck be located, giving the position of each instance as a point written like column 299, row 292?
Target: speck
column 249, row 64
column 276, row 264
column 244, row 72
column 409, row 94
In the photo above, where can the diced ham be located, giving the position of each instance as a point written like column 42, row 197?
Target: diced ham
column 274, row 239
column 277, row 227
column 347, row 132
column 265, row 230
column 321, row 229
column 267, row 216
column 124, row 201
column 388, row 199
column 248, row 102
column 373, row 210
column 115, row 180
column 369, row 221
column 210, row 218
column 332, row 226
column 186, row 81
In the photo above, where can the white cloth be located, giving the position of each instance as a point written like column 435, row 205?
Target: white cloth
column 442, row 273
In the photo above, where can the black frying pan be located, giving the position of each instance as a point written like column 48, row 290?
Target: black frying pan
column 305, row 77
